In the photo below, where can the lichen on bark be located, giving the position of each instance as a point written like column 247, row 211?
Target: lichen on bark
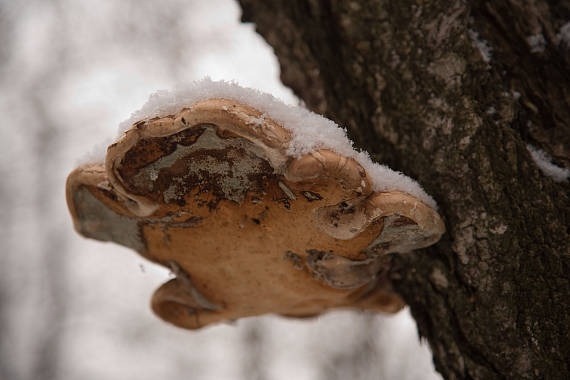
column 409, row 81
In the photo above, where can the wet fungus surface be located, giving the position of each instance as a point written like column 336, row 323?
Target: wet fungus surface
column 248, row 228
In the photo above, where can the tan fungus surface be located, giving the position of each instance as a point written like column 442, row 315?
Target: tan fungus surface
column 246, row 229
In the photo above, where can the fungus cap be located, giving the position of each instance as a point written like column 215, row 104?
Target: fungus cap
column 215, row 193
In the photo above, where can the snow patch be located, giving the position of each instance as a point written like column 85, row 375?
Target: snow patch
column 483, row 46
column 310, row 131
column 563, row 37
column 536, row 42
column 544, row 163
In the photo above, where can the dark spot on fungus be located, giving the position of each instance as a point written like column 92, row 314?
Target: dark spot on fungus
column 192, row 221
column 256, row 221
column 295, row 259
column 109, row 194
column 402, row 221
column 212, row 205
column 340, row 272
column 311, row 196
column 285, row 202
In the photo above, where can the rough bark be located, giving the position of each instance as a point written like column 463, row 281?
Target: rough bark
column 409, row 82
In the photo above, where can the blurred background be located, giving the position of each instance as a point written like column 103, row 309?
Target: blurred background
column 71, row 308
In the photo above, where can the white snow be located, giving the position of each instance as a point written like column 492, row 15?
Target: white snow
column 97, row 152
column 536, row 42
column 543, row 161
column 563, row 37
column 482, row 45
column 310, row 131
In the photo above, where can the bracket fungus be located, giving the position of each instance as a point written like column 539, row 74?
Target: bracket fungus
column 251, row 207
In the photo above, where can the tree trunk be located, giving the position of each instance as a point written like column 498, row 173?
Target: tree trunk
column 451, row 93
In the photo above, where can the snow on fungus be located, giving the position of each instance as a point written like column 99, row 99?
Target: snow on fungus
column 309, row 131
column 257, row 207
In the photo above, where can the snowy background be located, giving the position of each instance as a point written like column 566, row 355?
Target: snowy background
column 71, row 308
